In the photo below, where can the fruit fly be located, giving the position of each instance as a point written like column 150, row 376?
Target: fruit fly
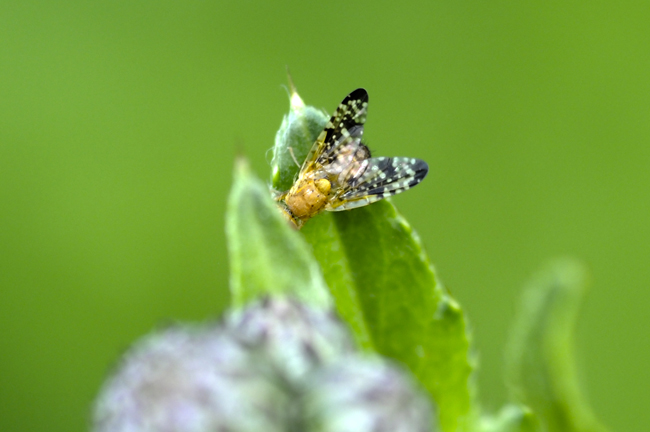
column 339, row 173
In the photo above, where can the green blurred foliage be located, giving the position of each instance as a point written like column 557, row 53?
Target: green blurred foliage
column 120, row 121
column 540, row 351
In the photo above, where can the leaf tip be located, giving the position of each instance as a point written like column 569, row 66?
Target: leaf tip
column 241, row 166
column 296, row 101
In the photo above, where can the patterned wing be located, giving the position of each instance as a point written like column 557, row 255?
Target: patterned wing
column 381, row 177
column 342, row 132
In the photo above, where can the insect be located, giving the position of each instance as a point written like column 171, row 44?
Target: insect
column 339, row 173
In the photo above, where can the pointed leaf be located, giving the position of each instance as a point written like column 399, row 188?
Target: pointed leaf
column 267, row 257
column 540, row 359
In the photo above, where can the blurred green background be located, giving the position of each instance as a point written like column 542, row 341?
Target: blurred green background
column 119, row 122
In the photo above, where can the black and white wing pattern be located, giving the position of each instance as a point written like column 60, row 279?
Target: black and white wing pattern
column 339, row 143
column 380, row 178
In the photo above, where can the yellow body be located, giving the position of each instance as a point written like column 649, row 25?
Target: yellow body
column 308, row 197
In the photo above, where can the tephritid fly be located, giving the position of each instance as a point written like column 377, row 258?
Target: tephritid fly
column 339, row 174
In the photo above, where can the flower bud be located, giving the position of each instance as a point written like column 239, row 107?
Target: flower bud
column 298, row 131
column 191, row 379
column 296, row 338
column 365, row 395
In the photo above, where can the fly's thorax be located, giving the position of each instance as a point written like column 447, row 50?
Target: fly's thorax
column 308, row 197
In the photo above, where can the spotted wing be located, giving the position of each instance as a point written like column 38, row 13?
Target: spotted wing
column 381, row 178
column 342, row 134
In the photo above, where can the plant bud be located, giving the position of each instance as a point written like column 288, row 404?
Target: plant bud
column 191, row 379
column 298, row 131
column 295, row 338
column 365, row 395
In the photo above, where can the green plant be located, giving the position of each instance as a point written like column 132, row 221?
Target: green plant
column 384, row 286
column 293, row 366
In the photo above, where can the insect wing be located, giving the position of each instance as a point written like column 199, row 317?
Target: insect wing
column 382, row 177
column 342, row 132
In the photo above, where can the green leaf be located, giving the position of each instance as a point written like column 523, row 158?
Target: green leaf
column 324, row 237
column 267, row 257
column 384, row 285
column 389, row 285
column 512, row 418
column 540, row 359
